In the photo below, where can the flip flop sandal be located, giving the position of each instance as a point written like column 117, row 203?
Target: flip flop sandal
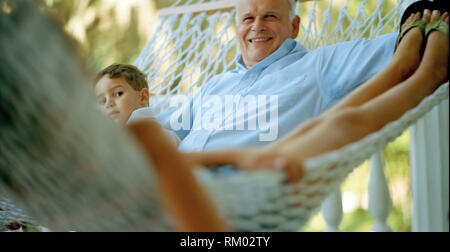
column 437, row 25
column 442, row 5
column 419, row 23
column 441, row 26
column 415, row 7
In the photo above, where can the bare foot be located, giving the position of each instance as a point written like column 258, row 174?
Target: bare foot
column 434, row 65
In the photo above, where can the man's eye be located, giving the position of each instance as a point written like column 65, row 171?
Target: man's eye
column 247, row 19
column 271, row 17
column 119, row 93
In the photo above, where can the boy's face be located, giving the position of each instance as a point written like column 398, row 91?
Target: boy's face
column 118, row 99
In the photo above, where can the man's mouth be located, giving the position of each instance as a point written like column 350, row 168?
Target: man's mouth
column 259, row 40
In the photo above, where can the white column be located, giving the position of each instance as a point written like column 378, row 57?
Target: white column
column 332, row 211
column 429, row 156
column 380, row 204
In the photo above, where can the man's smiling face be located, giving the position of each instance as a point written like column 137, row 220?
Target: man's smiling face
column 262, row 26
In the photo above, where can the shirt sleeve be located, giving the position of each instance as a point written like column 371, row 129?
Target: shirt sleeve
column 165, row 120
column 185, row 112
column 343, row 67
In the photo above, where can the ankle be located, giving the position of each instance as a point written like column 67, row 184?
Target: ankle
column 399, row 70
column 406, row 58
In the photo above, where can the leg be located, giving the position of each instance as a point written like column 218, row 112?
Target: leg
column 182, row 194
column 354, row 119
column 351, row 124
column 404, row 62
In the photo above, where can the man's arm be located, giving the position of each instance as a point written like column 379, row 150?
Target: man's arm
column 343, row 67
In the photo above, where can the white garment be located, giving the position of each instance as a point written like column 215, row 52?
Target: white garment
column 147, row 113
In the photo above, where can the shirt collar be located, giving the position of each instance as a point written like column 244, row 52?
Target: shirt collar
column 289, row 46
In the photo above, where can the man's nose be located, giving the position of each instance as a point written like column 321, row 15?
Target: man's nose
column 258, row 25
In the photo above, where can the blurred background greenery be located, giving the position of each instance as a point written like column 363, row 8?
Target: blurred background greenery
column 112, row 31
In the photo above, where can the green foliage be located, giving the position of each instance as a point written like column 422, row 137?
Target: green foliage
column 33, row 229
column 103, row 36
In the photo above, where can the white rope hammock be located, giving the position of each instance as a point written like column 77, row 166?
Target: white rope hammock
column 186, row 51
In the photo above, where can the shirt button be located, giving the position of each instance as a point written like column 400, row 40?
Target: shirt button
column 252, row 75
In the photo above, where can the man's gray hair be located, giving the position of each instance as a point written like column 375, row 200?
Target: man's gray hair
column 292, row 9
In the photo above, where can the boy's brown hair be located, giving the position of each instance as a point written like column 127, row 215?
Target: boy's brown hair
column 130, row 73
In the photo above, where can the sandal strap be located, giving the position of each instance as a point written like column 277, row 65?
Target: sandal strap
column 438, row 25
column 420, row 23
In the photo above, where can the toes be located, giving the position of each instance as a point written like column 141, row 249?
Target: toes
column 427, row 15
column 413, row 17
column 445, row 17
column 416, row 16
column 435, row 15
column 407, row 21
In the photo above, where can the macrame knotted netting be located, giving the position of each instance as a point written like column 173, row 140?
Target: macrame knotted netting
column 188, row 50
column 185, row 52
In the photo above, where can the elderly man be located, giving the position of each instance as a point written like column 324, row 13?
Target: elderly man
column 276, row 71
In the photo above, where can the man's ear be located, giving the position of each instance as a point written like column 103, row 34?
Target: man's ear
column 296, row 27
column 144, row 95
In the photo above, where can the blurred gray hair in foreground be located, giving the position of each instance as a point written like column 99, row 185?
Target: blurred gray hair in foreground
column 63, row 162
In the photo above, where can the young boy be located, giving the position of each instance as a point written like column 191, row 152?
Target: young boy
column 121, row 91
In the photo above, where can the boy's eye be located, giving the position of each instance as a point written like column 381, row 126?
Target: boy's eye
column 119, row 93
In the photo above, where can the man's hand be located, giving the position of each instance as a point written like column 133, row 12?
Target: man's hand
column 253, row 160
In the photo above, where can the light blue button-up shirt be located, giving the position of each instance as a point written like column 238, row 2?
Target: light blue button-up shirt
column 303, row 84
